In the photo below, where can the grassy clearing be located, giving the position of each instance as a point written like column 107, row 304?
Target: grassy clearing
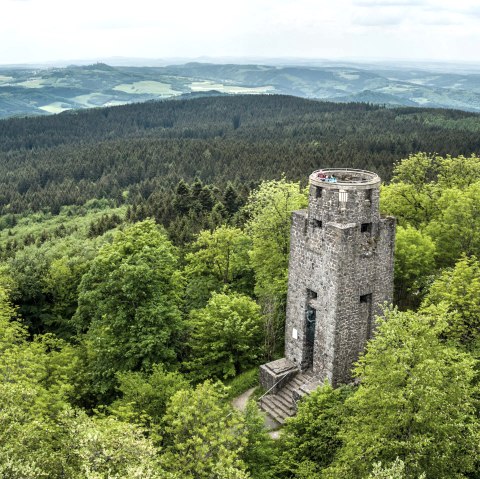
column 55, row 107
column 242, row 382
column 348, row 75
column 33, row 83
column 85, row 100
column 421, row 100
column 147, row 87
column 392, row 89
column 210, row 85
column 93, row 99
column 115, row 103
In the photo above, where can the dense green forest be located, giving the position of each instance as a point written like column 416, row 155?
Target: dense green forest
column 137, row 150
column 141, row 285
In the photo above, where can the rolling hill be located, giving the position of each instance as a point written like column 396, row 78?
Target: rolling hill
column 42, row 91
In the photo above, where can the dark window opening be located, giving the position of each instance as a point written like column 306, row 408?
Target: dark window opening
column 309, row 330
column 366, row 298
column 368, row 195
column 366, row 228
column 318, row 192
column 317, row 223
column 311, row 294
column 366, row 313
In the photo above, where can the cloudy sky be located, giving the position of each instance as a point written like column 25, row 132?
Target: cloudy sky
column 52, row 30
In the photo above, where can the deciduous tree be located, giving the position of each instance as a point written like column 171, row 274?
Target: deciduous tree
column 218, row 259
column 414, row 264
column 415, row 402
column 270, row 208
column 203, row 436
column 128, row 305
column 225, row 337
column 458, row 291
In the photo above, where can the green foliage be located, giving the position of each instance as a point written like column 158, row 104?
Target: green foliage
column 128, row 305
column 102, row 447
column 440, row 198
column 203, row 437
column 102, row 225
column 395, row 470
column 456, row 227
column 40, row 434
column 413, row 194
column 260, row 453
column 145, row 396
column 242, row 382
column 187, row 209
column 311, row 438
column 68, row 159
column 415, row 408
column 270, row 210
column 415, row 402
column 414, row 264
column 32, row 394
column 68, row 444
column 218, row 259
column 457, row 290
column 11, row 331
column 225, row 337
column 60, row 286
column 421, row 180
column 48, row 269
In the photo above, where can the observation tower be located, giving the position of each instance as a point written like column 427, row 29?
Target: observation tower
column 340, row 274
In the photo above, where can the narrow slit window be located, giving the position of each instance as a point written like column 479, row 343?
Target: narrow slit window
column 318, row 192
column 317, row 223
column 368, row 195
column 366, row 298
column 366, row 228
column 311, row 294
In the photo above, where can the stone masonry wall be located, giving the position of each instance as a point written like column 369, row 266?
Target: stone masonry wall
column 348, row 266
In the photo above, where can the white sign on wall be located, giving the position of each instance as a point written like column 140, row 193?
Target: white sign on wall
column 294, row 333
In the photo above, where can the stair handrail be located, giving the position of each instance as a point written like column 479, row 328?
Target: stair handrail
column 276, row 384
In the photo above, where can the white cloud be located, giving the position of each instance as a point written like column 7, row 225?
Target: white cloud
column 389, row 3
column 378, row 19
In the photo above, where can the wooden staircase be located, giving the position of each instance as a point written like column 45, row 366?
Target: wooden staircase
column 281, row 405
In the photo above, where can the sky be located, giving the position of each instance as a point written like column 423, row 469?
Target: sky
column 36, row 31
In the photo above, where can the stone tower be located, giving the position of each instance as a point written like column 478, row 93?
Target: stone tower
column 340, row 273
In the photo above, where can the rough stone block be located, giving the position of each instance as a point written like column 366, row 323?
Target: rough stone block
column 274, row 375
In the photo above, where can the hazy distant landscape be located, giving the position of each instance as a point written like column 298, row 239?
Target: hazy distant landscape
column 41, row 91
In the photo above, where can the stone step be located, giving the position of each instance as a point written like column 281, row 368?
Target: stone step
column 270, row 408
column 284, row 405
column 289, row 388
column 286, row 395
column 281, row 405
column 297, row 382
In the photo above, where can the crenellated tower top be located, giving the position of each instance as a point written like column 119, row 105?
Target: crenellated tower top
column 344, row 196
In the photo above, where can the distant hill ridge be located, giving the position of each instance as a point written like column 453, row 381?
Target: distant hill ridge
column 36, row 91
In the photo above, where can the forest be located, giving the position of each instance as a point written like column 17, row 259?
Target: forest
column 143, row 278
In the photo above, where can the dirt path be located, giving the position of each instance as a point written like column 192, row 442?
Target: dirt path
column 240, row 402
